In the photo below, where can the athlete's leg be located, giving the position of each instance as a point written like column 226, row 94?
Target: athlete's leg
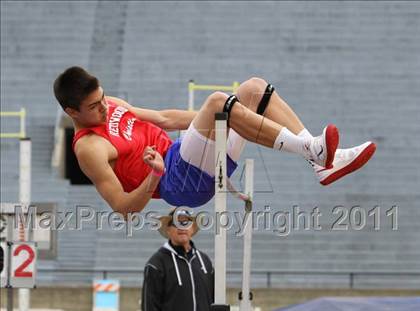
column 345, row 161
column 197, row 147
column 264, row 131
column 250, row 94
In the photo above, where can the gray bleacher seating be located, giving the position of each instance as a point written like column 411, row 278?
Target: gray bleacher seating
column 355, row 64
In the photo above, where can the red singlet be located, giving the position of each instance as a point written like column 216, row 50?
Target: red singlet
column 130, row 136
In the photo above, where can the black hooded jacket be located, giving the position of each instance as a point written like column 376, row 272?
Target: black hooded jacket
column 178, row 281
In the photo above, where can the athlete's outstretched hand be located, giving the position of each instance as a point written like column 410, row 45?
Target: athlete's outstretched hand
column 153, row 158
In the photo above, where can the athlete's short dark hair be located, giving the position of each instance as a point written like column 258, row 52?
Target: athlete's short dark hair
column 73, row 86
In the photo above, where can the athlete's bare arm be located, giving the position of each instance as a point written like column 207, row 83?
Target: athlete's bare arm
column 171, row 119
column 93, row 155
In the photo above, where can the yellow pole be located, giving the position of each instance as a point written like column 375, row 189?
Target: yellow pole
column 208, row 87
column 22, row 115
column 22, row 123
column 235, row 86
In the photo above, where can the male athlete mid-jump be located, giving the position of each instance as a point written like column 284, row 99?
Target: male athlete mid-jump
column 129, row 157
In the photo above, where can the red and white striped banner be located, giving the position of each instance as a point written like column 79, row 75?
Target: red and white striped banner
column 99, row 287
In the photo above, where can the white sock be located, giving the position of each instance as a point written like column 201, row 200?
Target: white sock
column 290, row 142
column 305, row 134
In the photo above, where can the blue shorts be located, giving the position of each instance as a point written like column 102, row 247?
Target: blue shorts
column 185, row 184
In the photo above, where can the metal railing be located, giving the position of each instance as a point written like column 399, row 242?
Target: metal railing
column 351, row 275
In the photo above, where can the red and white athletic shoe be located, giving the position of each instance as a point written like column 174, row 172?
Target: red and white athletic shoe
column 322, row 148
column 345, row 162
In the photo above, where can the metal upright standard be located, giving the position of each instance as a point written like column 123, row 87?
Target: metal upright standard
column 222, row 187
column 25, row 200
column 24, row 192
column 245, row 296
column 220, row 211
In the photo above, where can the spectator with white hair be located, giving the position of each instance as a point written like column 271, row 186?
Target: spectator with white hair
column 178, row 276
